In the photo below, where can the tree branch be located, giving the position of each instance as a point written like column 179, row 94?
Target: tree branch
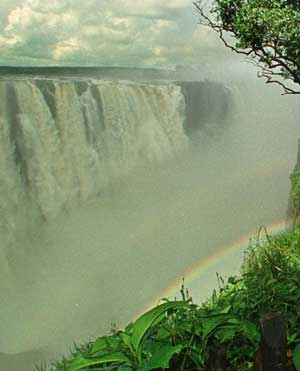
column 268, row 56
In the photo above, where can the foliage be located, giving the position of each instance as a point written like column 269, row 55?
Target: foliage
column 295, row 193
column 296, row 357
column 267, row 30
column 178, row 335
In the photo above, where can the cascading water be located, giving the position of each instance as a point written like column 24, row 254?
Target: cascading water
column 64, row 142
column 111, row 190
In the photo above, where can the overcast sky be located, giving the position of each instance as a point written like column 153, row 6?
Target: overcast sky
column 102, row 32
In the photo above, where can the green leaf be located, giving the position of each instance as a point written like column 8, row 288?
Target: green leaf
column 125, row 368
column 128, row 328
column 249, row 330
column 211, row 323
column 161, row 357
column 150, row 319
column 226, row 333
column 112, row 342
column 296, row 357
column 226, row 310
column 104, row 345
column 79, row 362
column 292, row 337
column 99, row 345
column 163, row 333
column 126, row 339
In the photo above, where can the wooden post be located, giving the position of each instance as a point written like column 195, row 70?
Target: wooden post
column 272, row 354
column 217, row 360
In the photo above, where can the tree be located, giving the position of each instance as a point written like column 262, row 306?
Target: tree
column 268, row 31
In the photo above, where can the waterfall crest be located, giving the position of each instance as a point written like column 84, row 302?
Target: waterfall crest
column 63, row 142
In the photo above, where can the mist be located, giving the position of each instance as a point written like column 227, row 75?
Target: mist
column 105, row 260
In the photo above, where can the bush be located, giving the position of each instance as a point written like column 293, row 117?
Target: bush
column 178, row 335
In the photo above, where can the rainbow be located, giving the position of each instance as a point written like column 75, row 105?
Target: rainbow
column 210, row 264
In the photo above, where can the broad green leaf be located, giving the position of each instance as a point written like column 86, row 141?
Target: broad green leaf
column 161, row 357
column 99, row 345
column 226, row 333
column 233, row 321
column 104, row 345
column 249, row 330
column 125, row 368
column 227, row 328
column 80, row 362
column 211, row 323
column 128, row 328
column 226, row 310
column 126, row 339
column 292, row 337
column 296, row 357
column 198, row 330
column 163, row 333
column 97, row 355
column 151, row 319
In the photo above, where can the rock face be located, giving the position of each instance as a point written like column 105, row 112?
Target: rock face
column 207, row 104
column 64, row 141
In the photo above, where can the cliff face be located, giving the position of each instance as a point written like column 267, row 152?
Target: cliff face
column 207, row 104
column 64, row 141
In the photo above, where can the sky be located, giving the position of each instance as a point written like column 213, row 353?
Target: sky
column 102, row 32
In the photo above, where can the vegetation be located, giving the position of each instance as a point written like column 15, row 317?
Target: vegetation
column 178, row 335
column 295, row 194
column 266, row 30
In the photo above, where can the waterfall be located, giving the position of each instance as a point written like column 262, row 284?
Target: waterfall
column 64, row 142
column 112, row 190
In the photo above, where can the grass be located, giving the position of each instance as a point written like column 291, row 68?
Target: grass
column 178, row 335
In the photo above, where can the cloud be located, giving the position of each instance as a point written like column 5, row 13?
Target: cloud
column 101, row 32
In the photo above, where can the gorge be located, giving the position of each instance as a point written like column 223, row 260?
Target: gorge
column 112, row 186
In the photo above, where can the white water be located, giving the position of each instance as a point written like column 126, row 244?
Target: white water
column 53, row 160
column 104, row 203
